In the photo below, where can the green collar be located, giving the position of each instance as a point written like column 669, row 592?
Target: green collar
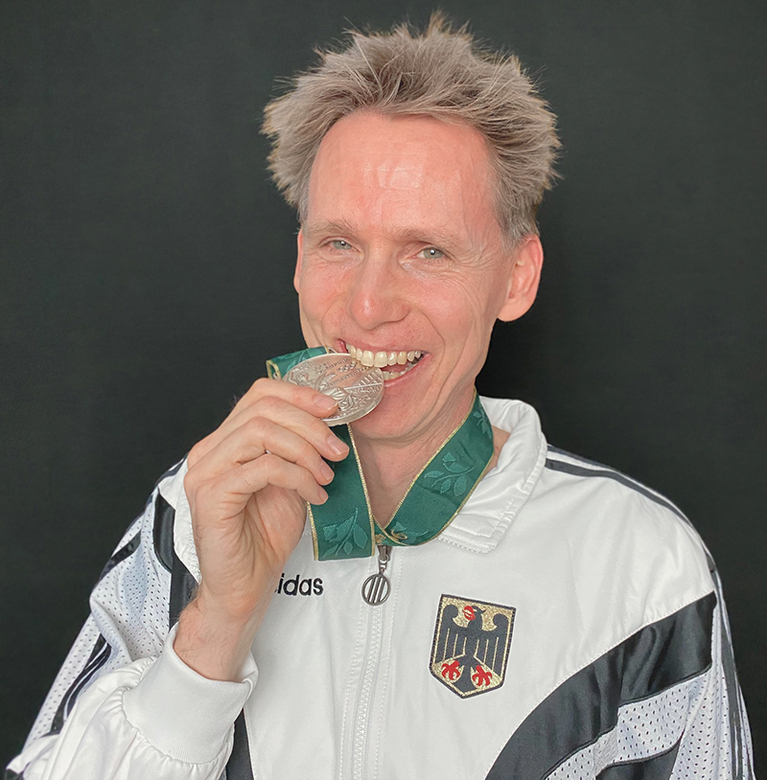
column 344, row 526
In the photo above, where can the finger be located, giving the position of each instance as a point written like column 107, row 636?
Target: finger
column 256, row 437
column 295, row 419
column 306, row 398
column 226, row 495
column 310, row 401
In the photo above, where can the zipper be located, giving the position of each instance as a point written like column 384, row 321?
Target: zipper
column 379, row 585
column 376, row 588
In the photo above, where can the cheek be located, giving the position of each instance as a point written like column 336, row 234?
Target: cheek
column 463, row 312
column 321, row 287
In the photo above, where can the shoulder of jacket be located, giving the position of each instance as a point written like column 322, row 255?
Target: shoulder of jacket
column 610, row 515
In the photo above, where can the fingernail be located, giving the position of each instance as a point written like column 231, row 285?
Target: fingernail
column 327, row 472
column 323, row 497
column 325, row 403
column 336, row 445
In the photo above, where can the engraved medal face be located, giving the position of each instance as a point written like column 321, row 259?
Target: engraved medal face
column 356, row 388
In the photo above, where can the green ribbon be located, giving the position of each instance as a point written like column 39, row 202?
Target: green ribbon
column 344, row 526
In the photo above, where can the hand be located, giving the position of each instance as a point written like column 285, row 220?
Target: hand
column 247, row 486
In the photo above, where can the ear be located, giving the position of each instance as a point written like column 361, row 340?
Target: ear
column 524, row 278
column 299, row 259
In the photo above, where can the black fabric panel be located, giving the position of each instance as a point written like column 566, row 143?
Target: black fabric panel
column 578, row 471
column 164, row 515
column 658, row 767
column 182, row 585
column 98, row 657
column 124, row 552
column 102, row 658
column 238, row 767
column 586, row 706
column 11, row 775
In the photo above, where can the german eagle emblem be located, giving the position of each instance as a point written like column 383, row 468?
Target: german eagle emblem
column 471, row 645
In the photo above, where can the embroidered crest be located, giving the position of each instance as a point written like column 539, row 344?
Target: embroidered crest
column 471, row 645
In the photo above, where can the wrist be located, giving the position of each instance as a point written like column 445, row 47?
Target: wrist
column 213, row 644
column 164, row 707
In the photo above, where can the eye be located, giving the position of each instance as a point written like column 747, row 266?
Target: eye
column 339, row 243
column 431, row 253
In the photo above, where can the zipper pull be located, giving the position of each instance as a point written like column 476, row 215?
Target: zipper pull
column 376, row 588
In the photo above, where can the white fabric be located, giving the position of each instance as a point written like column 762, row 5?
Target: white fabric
column 344, row 690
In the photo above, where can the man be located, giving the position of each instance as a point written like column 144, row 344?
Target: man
column 546, row 616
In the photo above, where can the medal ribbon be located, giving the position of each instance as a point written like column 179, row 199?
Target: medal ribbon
column 344, row 526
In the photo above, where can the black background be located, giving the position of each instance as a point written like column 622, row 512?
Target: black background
column 146, row 261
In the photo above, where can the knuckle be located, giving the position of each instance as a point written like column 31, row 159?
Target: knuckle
column 262, row 387
column 257, row 426
column 190, row 482
column 252, row 479
column 266, row 406
column 269, row 464
column 204, row 493
column 307, row 453
column 196, row 453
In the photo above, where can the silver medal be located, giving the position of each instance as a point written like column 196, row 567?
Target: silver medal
column 356, row 388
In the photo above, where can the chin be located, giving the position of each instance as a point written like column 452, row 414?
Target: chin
column 386, row 421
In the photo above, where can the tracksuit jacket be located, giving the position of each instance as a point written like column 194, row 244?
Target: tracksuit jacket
column 568, row 623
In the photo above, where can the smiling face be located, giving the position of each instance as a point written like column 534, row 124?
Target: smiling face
column 400, row 254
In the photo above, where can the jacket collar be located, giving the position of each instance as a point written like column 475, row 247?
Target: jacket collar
column 481, row 523
column 505, row 489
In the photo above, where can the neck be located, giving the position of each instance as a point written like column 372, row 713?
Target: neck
column 391, row 467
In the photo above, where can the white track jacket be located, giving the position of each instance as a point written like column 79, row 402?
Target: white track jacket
column 569, row 623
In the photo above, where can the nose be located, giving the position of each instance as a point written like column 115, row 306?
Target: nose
column 377, row 294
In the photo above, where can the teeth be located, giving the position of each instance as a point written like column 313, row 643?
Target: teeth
column 393, row 374
column 380, row 359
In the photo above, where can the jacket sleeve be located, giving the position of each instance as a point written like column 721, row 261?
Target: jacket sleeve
column 123, row 705
column 716, row 740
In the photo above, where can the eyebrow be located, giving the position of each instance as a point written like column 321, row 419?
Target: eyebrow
column 404, row 235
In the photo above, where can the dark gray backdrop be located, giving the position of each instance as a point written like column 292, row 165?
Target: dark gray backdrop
column 145, row 266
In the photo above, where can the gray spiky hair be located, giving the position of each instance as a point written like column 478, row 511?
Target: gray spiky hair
column 442, row 73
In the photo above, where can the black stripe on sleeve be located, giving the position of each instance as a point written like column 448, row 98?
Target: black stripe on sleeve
column 164, row 517
column 607, row 473
column 586, row 705
column 98, row 662
column 124, row 552
column 182, row 583
column 98, row 657
column 238, row 766
column 601, row 470
column 182, row 587
column 11, row 775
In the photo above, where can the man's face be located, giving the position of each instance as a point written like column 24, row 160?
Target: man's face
column 401, row 253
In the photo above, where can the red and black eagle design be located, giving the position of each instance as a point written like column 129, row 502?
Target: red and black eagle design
column 471, row 645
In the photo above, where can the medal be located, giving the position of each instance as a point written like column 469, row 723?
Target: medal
column 344, row 526
column 356, row 388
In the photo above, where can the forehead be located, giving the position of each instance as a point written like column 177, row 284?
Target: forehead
column 399, row 171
